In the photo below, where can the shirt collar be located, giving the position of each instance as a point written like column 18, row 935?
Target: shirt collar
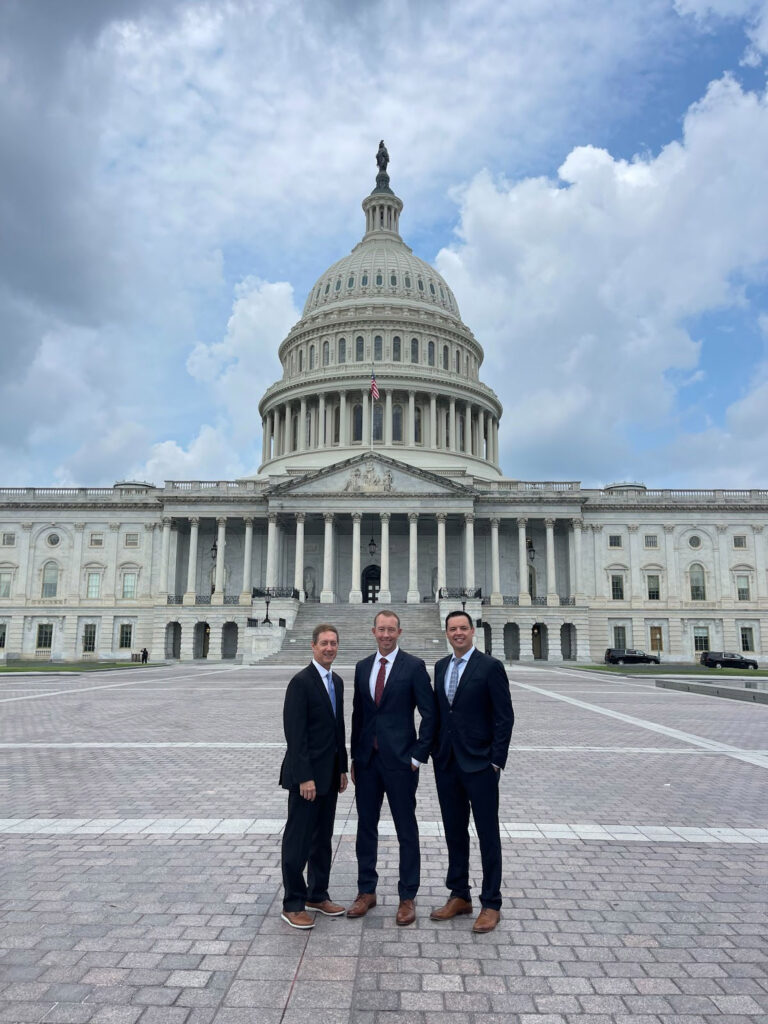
column 323, row 671
column 387, row 657
column 464, row 657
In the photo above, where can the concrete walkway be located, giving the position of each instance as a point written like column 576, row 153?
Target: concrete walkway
column 140, row 822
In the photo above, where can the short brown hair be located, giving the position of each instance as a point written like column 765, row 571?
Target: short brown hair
column 452, row 615
column 323, row 627
column 388, row 614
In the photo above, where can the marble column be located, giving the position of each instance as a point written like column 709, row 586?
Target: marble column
column 433, row 421
column 277, row 441
column 481, row 434
column 190, row 595
column 343, row 426
column 553, row 598
column 468, row 429
column 496, row 595
column 673, row 582
column 578, row 572
column 264, row 437
column 385, row 595
column 452, row 440
column 301, row 440
column 270, row 575
column 441, row 563
column 522, row 558
column 413, row 596
column 355, row 593
column 221, row 549
column 165, row 554
column 411, row 418
column 247, row 591
column 388, row 417
column 298, row 565
column 326, row 594
column 469, row 551
column 321, row 425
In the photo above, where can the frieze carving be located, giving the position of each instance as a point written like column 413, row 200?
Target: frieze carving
column 367, row 480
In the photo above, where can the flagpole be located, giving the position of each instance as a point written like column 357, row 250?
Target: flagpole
column 373, row 402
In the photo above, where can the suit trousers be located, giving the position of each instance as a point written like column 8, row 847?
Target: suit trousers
column 372, row 782
column 307, row 842
column 458, row 791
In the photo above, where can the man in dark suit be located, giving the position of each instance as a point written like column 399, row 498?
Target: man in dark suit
column 386, row 756
column 314, row 773
column 475, row 720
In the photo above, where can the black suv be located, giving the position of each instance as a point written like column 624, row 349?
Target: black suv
column 725, row 659
column 629, row 656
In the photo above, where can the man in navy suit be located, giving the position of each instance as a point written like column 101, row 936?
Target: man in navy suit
column 314, row 773
column 475, row 720
column 386, row 756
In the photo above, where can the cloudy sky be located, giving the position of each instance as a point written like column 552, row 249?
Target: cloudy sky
column 588, row 175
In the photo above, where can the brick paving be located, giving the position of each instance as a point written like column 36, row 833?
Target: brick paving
column 140, row 879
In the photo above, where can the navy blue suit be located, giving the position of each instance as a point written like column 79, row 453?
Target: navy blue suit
column 382, row 744
column 473, row 735
column 315, row 750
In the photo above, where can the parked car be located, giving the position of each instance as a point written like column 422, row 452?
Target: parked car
column 726, row 659
column 629, row 656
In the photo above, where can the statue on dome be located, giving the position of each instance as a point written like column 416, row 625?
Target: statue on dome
column 382, row 157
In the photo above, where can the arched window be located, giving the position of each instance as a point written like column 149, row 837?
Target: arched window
column 357, row 423
column 698, row 583
column 342, row 350
column 359, row 349
column 414, row 350
column 407, row 280
column 393, row 280
column 301, row 360
column 50, row 579
column 445, row 357
column 351, row 281
column 379, row 279
column 417, row 425
column 336, row 424
column 311, row 357
column 378, row 422
column 396, row 353
column 458, row 361
column 466, row 366
column 338, row 284
column 431, row 353
column 364, row 279
column 421, row 285
column 397, row 422
column 326, row 353
column 378, row 347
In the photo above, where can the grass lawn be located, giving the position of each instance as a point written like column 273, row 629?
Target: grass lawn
column 674, row 670
column 68, row 666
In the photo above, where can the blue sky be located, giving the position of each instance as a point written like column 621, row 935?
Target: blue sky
column 589, row 178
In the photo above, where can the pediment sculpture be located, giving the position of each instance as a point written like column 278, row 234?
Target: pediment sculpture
column 368, row 480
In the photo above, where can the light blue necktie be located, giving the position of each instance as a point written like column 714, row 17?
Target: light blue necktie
column 332, row 692
column 453, row 682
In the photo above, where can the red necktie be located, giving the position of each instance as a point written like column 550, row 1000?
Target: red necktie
column 380, row 680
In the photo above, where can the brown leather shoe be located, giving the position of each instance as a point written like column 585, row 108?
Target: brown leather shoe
column 406, row 912
column 486, row 920
column 452, row 908
column 298, row 919
column 327, row 907
column 363, row 903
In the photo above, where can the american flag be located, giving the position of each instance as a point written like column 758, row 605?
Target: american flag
column 374, row 387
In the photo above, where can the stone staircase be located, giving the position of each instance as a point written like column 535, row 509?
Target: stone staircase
column 422, row 632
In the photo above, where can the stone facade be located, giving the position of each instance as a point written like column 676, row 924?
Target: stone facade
column 395, row 499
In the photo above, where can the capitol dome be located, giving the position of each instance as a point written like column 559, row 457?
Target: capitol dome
column 381, row 311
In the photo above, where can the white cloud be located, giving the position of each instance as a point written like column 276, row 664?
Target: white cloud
column 755, row 12
column 209, row 456
column 581, row 289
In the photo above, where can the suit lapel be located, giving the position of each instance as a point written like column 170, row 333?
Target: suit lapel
column 365, row 678
column 319, row 681
column 394, row 675
column 470, row 667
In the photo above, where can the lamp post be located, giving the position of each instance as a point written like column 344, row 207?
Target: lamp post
column 371, row 547
column 266, row 621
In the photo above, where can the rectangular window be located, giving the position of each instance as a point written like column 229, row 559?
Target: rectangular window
column 614, row 540
column 3, row 628
column 96, row 540
column 617, row 587
column 131, row 540
column 654, row 588
column 89, row 637
column 5, row 584
column 651, row 540
column 126, row 635
column 342, row 350
column 9, row 540
column 700, row 638
column 742, row 588
column 620, row 637
column 94, row 585
column 657, row 639
column 45, row 636
column 129, row 585
column 747, row 638
column 740, row 541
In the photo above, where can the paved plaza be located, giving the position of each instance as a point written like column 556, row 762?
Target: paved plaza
column 140, row 822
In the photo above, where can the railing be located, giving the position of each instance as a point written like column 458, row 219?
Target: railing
column 231, row 599
column 459, row 593
column 570, row 601
column 175, row 599
column 215, row 485
column 202, row 598
column 539, row 602
column 511, row 599
column 272, row 592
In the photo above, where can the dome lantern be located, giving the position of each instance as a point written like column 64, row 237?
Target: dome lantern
column 382, row 207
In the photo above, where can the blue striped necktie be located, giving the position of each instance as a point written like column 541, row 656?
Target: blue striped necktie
column 453, row 681
column 332, row 692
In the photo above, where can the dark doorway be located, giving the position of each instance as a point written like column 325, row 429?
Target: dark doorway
column 511, row 642
column 540, row 642
column 229, row 640
column 202, row 638
column 568, row 641
column 370, row 584
column 173, row 640
column 487, row 637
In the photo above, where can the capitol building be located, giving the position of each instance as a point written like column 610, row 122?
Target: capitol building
column 380, row 482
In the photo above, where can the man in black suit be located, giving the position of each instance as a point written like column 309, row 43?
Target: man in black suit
column 386, row 756
column 475, row 720
column 314, row 773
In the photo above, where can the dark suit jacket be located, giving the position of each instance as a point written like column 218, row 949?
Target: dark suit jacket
column 391, row 723
column 315, row 738
column 477, row 728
